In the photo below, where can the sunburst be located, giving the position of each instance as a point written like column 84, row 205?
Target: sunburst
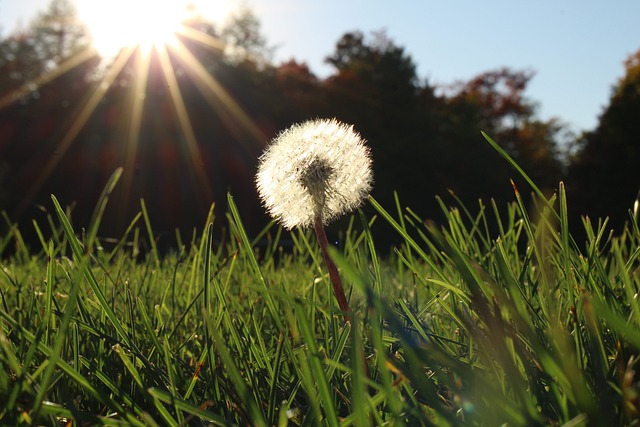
column 147, row 24
column 148, row 37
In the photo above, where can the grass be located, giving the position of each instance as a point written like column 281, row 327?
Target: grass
column 492, row 318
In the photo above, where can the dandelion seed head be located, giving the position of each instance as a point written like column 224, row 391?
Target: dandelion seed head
column 316, row 167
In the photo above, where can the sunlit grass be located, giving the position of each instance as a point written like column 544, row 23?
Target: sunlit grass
column 496, row 317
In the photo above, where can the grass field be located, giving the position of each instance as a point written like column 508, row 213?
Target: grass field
column 458, row 325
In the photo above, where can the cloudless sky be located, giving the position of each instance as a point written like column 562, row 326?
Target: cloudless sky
column 576, row 47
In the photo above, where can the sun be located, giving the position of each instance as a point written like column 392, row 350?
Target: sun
column 119, row 24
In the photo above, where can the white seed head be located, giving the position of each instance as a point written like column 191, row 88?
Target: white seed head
column 317, row 167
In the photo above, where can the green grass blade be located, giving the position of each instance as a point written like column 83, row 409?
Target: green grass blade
column 254, row 411
column 319, row 384
column 182, row 405
column 152, row 238
column 94, row 224
column 88, row 274
column 253, row 262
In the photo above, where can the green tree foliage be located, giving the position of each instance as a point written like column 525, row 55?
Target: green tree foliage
column 53, row 37
column 59, row 34
column 244, row 39
column 605, row 175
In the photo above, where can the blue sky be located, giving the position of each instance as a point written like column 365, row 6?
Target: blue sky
column 576, row 47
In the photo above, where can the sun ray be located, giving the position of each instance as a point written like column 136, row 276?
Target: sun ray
column 220, row 100
column 74, row 61
column 184, row 122
column 130, row 104
column 137, row 98
column 202, row 38
column 81, row 116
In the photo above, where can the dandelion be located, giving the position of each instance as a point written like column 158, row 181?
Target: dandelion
column 320, row 167
column 311, row 174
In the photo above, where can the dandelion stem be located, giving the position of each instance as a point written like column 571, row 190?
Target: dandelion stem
column 334, row 276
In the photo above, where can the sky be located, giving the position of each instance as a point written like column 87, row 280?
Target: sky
column 575, row 47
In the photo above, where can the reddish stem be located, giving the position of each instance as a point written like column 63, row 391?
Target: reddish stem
column 334, row 276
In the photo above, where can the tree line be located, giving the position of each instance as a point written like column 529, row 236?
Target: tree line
column 68, row 119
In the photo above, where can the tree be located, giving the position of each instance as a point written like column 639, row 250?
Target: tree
column 38, row 92
column 376, row 88
column 53, row 37
column 30, row 57
column 59, row 34
column 377, row 64
column 425, row 144
column 604, row 176
column 495, row 103
column 300, row 91
column 244, row 39
column 499, row 103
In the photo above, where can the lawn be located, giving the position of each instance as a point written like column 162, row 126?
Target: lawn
column 493, row 317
